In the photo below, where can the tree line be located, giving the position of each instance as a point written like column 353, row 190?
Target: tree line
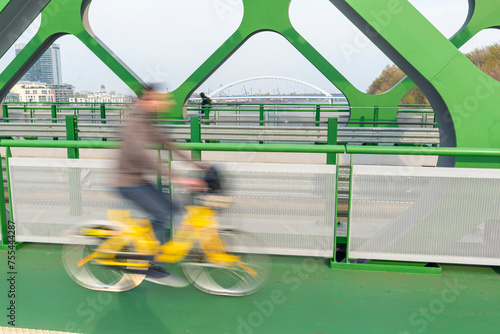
column 487, row 59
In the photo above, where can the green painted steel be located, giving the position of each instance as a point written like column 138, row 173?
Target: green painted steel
column 463, row 97
column 386, row 266
column 445, row 151
column 3, row 211
column 195, row 136
column 349, row 209
column 335, row 237
column 3, row 4
column 102, row 109
column 264, row 15
column 53, row 112
column 5, row 113
column 58, row 143
column 72, row 135
column 60, row 19
column 331, row 139
column 8, row 155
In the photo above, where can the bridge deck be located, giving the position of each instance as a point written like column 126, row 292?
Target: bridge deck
column 303, row 296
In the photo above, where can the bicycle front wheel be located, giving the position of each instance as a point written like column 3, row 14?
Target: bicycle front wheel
column 232, row 279
column 91, row 274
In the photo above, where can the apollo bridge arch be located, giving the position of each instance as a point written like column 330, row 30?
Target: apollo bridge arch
column 277, row 87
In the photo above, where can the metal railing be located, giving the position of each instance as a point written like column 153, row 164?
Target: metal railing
column 414, row 116
column 339, row 238
column 226, row 131
column 72, row 145
column 18, row 112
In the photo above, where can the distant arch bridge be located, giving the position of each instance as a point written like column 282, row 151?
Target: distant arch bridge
column 270, row 87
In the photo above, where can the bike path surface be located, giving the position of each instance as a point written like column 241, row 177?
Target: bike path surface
column 303, row 295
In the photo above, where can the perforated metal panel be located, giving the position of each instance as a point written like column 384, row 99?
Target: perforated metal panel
column 447, row 215
column 290, row 208
column 50, row 196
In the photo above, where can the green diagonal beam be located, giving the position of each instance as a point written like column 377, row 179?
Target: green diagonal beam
column 3, row 4
column 483, row 14
column 58, row 20
column 465, row 99
column 264, row 15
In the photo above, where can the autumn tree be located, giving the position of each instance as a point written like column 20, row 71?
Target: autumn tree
column 487, row 59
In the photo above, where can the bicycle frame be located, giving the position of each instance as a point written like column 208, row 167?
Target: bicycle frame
column 198, row 226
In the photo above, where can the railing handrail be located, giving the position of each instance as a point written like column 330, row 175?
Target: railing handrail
column 349, row 149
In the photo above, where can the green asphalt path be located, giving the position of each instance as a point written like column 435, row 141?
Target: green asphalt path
column 302, row 296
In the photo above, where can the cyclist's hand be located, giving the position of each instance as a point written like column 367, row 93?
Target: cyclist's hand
column 201, row 165
column 193, row 184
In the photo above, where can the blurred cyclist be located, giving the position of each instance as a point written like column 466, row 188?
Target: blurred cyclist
column 136, row 161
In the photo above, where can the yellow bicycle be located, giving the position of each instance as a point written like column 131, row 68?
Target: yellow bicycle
column 109, row 255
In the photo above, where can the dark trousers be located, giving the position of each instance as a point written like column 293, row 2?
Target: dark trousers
column 152, row 201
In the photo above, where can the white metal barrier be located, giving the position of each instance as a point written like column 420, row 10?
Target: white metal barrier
column 291, row 208
column 51, row 196
column 445, row 215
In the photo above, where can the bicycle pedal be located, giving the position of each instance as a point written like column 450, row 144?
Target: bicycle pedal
column 133, row 256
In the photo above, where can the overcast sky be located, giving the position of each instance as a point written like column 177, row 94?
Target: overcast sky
column 169, row 42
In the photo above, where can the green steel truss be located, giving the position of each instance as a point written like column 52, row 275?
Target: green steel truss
column 464, row 98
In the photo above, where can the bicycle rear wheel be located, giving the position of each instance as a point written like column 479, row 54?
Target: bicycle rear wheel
column 232, row 279
column 93, row 275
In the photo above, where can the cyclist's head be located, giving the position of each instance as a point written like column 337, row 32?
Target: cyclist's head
column 153, row 100
column 202, row 94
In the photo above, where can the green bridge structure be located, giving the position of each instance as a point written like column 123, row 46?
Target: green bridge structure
column 306, row 294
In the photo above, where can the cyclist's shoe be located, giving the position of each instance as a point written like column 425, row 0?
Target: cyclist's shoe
column 158, row 275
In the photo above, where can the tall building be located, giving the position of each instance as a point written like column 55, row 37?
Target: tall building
column 47, row 69
column 62, row 93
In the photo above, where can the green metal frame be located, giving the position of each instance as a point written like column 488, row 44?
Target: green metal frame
column 376, row 265
column 335, row 241
column 463, row 97
column 3, row 214
column 3, row 210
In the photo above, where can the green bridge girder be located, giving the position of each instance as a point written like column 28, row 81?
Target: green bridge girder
column 465, row 99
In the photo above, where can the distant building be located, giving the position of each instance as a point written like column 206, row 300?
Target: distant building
column 47, row 68
column 78, row 100
column 62, row 93
column 11, row 97
column 33, row 92
column 102, row 97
